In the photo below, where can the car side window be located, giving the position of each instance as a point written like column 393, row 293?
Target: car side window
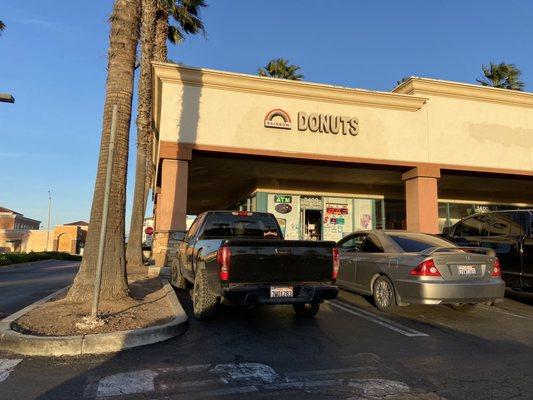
column 371, row 245
column 353, row 244
column 507, row 224
column 194, row 228
column 473, row 226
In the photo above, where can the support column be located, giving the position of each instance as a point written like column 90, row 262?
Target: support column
column 421, row 199
column 170, row 210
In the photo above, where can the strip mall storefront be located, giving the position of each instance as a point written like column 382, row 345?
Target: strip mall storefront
column 328, row 160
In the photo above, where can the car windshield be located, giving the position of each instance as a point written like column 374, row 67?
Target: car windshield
column 415, row 242
column 241, row 225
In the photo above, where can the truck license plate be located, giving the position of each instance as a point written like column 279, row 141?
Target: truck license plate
column 280, row 291
column 466, row 270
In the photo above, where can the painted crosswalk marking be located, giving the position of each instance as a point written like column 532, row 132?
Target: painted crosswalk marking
column 392, row 325
column 6, row 367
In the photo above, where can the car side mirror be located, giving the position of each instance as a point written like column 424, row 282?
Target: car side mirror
column 446, row 231
column 179, row 236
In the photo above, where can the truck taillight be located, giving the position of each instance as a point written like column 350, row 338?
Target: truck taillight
column 496, row 269
column 426, row 268
column 336, row 263
column 224, row 262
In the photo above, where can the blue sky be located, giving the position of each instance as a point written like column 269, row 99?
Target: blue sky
column 53, row 60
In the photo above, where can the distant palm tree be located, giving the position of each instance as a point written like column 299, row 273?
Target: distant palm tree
column 280, row 68
column 404, row 79
column 502, row 75
column 2, row 27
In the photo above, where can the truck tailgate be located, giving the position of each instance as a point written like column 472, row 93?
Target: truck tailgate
column 273, row 261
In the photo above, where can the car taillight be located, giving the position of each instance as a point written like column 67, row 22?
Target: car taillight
column 496, row 270
column 224, row 262
column 426, row 268
column 336, row 263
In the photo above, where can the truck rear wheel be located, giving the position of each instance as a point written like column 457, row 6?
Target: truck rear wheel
column 306, row 309
column 204, row 303
column 176, row 277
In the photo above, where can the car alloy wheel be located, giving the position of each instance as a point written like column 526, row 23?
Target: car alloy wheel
column 384, row 296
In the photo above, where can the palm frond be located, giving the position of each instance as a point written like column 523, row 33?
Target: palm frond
column 2, row 27
column 281, row 68
column 502, row 75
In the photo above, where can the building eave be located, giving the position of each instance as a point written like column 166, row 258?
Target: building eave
column 164, row 72
column 466, row 91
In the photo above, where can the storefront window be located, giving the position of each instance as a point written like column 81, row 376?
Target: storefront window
column 286, row 209
column 451, row 213
column 395, row 214
column 337, row 217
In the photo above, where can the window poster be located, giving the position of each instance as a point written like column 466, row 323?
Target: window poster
column 364, row 214
column 286, row 209
column 337, row 218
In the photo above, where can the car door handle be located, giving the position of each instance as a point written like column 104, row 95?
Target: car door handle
column 283, row 252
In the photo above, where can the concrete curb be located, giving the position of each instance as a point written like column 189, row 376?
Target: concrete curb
column 99, row 343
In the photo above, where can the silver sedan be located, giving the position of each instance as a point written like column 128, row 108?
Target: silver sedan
column 402, row 268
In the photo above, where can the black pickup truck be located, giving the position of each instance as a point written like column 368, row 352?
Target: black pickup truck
column 241, row 257
column 509, row 234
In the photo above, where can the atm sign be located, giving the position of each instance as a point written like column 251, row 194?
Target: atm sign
column 282, row 199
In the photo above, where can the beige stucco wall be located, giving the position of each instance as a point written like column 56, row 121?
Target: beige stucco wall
column 35, row 240
column 472, row 131
column 226, row 118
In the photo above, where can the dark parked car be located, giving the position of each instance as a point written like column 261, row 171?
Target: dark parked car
column 241, row 256
column 509, row 234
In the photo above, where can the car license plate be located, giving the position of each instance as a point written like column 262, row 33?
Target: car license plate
column 466, row 270
column 280, row 291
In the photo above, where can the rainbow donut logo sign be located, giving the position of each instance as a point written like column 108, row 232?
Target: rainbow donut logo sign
column 278, row 118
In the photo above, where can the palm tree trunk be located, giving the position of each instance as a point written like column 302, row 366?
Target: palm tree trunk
column 123, row 38
column 161, row 33
column 134, row 250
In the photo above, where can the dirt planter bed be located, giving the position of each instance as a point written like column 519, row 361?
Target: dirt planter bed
column 91, row 343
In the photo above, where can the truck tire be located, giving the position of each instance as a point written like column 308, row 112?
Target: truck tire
column 204, row 303
column 384, row 294
column 176, row 277
column 306, row 309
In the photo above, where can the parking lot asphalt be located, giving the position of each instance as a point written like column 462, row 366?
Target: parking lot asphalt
column 21, row 285
column 349, row 351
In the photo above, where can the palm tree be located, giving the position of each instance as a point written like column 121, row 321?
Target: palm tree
column 185, row 20
column 502, row 75
column 404, row 79
column 2, row 27
column 123, row 38
column 154, row 14
column 280, row 68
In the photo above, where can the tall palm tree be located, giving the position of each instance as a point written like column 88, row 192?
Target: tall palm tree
column 185, row 15
column 2, row 27
column 280, row 68
column 123, row 38
column 134, row 256
column 502, row 75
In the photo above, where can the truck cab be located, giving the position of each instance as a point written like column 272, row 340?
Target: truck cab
column 509, row 234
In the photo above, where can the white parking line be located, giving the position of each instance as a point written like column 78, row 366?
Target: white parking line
column 6, row 367
column 499, row 310
column 393, row 326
